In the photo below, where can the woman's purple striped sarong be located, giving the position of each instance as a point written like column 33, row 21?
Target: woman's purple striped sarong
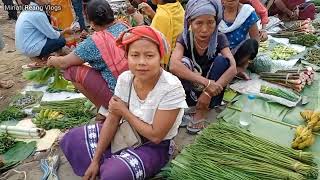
column 79, row 145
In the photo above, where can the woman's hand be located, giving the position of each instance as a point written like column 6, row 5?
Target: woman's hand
column 263, row 35
column 51, row 61
column 214, row 88
column 117, row 106
column 146, row 10
column 67, row 31
column 138, row 17
column 92, row 171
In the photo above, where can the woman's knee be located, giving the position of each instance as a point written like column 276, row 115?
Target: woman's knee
column 62, row 41
column 222, row 62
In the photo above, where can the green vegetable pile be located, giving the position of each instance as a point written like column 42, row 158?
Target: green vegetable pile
column 43, row 75
column 225, row 152
column 63, row 114
column 6, row 142
column 279, row 92
column 313, row 56
column 281, row 52
column 307, row 40
column 12, row 113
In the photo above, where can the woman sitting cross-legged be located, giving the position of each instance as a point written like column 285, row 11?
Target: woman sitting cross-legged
column 239, row 24
column 196, row 62
column 156, row 106
column 107, row 61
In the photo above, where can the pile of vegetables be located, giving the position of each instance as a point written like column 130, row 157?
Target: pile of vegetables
column 295, row 79
column 282, row 52
column 307, row 40
column 63, row 114
column 25, row 100
column 303, row 26
column 280, row 92
column 225, row 152
column 12, row 113
column 6, row 142
column 43, row 75
column 313, row 56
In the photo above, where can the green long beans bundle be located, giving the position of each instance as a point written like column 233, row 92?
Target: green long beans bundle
column 224, row 151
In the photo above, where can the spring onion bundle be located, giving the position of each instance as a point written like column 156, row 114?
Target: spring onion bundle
column 225, row 152
column 279, row 92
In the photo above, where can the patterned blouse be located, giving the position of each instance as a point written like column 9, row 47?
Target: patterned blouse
column 239, row 35
column 88, row 52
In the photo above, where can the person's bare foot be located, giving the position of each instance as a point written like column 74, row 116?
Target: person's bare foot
column 6, row 84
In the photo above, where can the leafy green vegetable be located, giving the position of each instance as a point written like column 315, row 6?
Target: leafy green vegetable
column 6, row 142
column 12, row 113
column 60, row 84
column 39, row 75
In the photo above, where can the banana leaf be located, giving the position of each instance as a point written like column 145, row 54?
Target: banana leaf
column 17, row 154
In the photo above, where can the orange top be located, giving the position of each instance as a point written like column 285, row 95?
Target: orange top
column 260, row 9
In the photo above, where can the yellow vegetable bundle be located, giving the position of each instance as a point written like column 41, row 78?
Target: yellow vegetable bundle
column 312, row 118
column 303, row 138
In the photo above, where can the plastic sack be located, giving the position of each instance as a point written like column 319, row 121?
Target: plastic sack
column 253, row 87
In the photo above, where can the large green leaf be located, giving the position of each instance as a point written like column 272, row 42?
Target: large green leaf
column 19, row 152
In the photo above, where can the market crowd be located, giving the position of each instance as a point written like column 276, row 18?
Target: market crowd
column 145, row 67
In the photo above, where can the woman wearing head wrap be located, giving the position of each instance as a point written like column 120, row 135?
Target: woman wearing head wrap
column 107, row 61
column 195, row 60
column 156, row 107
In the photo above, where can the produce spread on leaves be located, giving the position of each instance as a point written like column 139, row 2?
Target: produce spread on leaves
column 225, row 152
column 63, row 114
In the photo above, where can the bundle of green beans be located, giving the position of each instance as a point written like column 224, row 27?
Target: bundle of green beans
column 225, row 152
column 6, row 142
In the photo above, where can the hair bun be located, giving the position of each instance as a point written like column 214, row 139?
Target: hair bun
column 101, row 11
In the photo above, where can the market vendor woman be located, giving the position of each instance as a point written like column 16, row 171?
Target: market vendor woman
column 156, row 106
column 196, row 62
column 107, row 61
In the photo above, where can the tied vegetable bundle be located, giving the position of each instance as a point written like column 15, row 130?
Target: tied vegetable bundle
column 225, row 152
column 303, row 136
column 280, row 92
column 63, row 114
column 295, row 79
column 43, row 75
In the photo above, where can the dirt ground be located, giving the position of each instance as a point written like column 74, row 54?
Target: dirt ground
column 10, row 60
